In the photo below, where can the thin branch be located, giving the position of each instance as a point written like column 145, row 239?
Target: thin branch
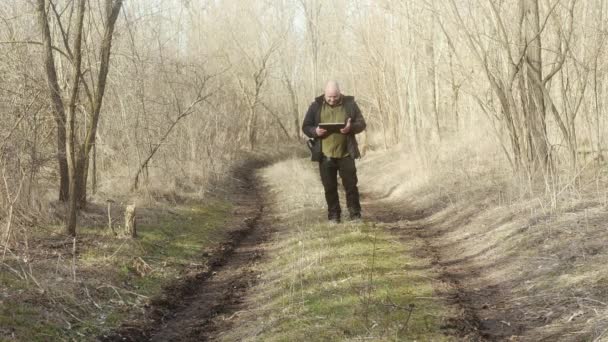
column 33, row 42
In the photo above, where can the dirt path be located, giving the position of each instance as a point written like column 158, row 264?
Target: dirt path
column 198, row 308
column 481, row 313
column 201, row 307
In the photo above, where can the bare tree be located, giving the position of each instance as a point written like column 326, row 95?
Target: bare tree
column 77, row 155
column 532, row 72
column 56, row 100
column 312, row 13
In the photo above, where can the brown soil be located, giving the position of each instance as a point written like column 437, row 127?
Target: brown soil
column 199, row 307
column 481, row 313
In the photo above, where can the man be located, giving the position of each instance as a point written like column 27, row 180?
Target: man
column 338, row 149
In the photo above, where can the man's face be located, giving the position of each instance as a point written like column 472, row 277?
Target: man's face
column 332, row 96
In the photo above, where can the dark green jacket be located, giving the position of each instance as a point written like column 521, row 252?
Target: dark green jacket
column 313, row 117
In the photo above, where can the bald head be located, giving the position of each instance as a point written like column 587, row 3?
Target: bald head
column 332, row 93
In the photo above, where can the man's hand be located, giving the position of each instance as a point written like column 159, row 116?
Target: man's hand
column 346, row 128
column 320, row 131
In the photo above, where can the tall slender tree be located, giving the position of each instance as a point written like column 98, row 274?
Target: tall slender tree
column 77, row 154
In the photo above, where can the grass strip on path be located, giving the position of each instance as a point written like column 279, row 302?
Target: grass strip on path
column 328, row 282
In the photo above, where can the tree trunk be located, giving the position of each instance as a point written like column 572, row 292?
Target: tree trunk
column 455, row 94
column 75, row 157
column 55, row 96
column 74, row 196
column 251, row 127
column 73, row 161
column 130, row 223
column 535, row 103
column 64, row 186
column 433, row 77
column 82, row 184
column 94, row 171
column 293, row 101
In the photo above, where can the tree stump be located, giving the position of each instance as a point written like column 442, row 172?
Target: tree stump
column 130, row 223
column 110, row 226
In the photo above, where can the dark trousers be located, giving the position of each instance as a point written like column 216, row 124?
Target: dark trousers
column 329, row 168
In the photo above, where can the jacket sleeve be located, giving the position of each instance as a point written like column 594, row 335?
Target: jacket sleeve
column 358, row 122
column 309, row 125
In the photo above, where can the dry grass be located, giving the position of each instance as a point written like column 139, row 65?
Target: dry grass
column 542, row 246
column 55, row 288
column 542, row 250
column 324, row 282
column 50, row 290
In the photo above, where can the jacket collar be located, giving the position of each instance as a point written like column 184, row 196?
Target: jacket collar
column 345, row 98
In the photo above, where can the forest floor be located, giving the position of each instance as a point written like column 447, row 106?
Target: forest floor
column 186, row 309
column 288, row 275
column 445, row 255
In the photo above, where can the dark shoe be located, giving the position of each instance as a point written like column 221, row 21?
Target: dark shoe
column 354, row 217
column 334, row 220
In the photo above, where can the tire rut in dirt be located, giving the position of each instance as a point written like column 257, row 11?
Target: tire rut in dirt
column 189, row 309
column 467, row 326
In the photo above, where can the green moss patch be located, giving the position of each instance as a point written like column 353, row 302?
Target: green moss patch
column 112, row 278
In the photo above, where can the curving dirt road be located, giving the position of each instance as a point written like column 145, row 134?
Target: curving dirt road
column 482, row 313
column 200, row 308
column 197, row 308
